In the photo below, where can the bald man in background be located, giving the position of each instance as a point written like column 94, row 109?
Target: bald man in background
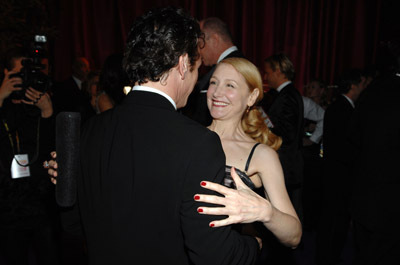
column 218, row 45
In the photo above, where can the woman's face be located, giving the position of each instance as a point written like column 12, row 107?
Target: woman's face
column 228, row 94
column 314, row 90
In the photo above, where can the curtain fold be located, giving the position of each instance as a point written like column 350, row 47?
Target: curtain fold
column 321, row 37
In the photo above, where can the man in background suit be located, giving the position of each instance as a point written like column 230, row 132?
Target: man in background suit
column 286, row 117
column 69, row 96
column 338, row 177
column 375, row 134
column 218, row 45
column 136, row 190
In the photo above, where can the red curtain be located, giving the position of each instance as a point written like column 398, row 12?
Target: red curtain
column 321, row 37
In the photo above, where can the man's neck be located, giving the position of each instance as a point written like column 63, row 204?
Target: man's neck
column 353, row 95
column 349, row 98
column 282, row 84
column 156, row 87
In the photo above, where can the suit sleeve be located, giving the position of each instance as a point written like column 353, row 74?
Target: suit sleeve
column 207, row 245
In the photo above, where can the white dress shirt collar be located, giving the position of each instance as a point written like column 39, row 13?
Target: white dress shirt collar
column 349, row 100
column 283, row 85
column 226, row 52
column 153, row 90
column 78, row 82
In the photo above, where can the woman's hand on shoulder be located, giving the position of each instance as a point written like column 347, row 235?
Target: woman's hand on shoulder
column 241, row 205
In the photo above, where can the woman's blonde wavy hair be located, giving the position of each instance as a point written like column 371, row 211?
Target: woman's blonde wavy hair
column 252, row 121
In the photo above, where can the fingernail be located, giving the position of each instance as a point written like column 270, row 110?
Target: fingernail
column 200, row 210
column 197, row 197
column 202, row 183
column 211, row 225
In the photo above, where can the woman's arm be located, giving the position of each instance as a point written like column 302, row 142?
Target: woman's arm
column 280, row 218
column 245, row 206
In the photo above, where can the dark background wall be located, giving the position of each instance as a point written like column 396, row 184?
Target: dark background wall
column 322, row 37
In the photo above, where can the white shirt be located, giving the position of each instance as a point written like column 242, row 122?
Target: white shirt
column 78, row 82
column 283, row 85
column 153, row 90
column 226, row 52
column 349, row 100
column 314, row 112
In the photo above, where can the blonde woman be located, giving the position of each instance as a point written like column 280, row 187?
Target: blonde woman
column 249, row 146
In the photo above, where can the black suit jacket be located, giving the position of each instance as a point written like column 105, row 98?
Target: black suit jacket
column 375, row 134
column 337, row 160
column 68, row 97
column 336, row 125
column 141, row 165
column 286, row 114
column 196, row 107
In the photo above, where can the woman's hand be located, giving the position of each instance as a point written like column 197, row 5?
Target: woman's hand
column 52, row 167
column 241, row 205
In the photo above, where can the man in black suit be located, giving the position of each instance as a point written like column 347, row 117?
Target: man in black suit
column 217, row 45
column 337, row 178
column 142, row 162
column 286, row 120
column 68, row 94
column 375, row 134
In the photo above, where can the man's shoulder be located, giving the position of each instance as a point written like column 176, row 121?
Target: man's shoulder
column 340, row 103
column 65, row 86
column 289, row 93
column 189, row 126
column 290, row 89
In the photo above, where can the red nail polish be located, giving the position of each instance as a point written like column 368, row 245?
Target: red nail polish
column 197, row 197
column 202, row 183
column 211, row 225
column 200, row 210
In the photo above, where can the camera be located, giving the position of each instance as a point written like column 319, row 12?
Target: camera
column 31, row 71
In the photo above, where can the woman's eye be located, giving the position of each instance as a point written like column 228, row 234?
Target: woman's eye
column 230, row 85
column 212, row 82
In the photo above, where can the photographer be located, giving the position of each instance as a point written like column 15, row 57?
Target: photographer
column 27, row 207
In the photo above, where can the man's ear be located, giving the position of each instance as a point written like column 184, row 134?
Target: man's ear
column 253, row 97
column 214, row 40
column 183, row 65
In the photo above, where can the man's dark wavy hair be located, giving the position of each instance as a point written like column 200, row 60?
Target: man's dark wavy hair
column 348, row 78
column 156, row 41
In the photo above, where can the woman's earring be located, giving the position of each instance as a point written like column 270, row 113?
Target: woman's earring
column 248, row 109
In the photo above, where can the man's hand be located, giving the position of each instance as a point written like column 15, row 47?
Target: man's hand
column 7, row 86
column 40, row 100
column 52, row 167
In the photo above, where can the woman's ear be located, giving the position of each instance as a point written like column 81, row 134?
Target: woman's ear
column 253, row 97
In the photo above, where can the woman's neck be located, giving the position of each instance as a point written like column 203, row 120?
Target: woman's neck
column 228, row 130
